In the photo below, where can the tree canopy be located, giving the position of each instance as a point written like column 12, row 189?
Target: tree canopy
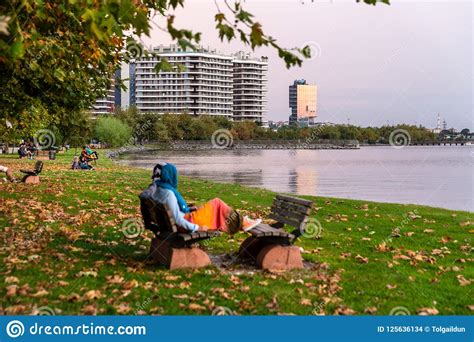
column 57, row 57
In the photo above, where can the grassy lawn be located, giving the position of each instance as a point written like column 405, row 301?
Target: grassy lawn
column 63, row 250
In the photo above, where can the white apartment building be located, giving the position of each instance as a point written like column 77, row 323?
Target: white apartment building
column 250, row 88
column 105, row 105
column 203, row 87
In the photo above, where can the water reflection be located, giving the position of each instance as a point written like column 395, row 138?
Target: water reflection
column 436, row 176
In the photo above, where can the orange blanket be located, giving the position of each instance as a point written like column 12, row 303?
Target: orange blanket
column 214, row 215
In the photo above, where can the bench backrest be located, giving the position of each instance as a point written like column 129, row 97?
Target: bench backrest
column 156, row 216
column 38, row 167
column 291, row 211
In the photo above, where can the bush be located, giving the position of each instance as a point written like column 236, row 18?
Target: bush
column 112, row 131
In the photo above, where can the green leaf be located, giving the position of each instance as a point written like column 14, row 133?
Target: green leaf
column 256, row 36
column 17, row 49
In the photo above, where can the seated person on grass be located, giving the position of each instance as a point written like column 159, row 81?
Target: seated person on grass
column 8, row 172
column 23, row 151
column 84, row 165
column 88, row 154
column 214, row 215
column 75, row 165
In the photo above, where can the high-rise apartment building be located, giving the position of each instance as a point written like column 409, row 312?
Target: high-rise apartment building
column 202, row 82
column 105, row 105
column 249, row 87
column 302, row 101
column 204, row 86
column 112, row 99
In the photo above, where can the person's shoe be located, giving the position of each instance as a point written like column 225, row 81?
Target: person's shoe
column 250, row 224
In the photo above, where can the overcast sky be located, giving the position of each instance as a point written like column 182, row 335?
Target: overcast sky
column 403, row 63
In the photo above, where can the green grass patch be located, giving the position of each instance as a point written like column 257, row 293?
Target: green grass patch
column 63, row 248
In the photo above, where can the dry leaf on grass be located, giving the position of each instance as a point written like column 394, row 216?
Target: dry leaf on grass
column 427, row 311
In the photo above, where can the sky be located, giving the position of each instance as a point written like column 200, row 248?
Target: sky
column 373, row 65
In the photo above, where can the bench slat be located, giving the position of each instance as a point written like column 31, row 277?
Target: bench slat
column 266, row 230
column 298, row 215
column 286, row 220
column 306, row 203
column 290, row 214
column 294, row 207
column 198, row 235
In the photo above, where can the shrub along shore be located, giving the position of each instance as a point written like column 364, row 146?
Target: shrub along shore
column 64, row 251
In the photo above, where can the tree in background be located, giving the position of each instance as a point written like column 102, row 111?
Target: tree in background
column 112, row 131
column 57, row 57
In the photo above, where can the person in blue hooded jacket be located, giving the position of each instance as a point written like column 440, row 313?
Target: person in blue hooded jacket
column 213, row 215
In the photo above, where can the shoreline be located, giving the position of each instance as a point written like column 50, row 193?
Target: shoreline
column 121, row 162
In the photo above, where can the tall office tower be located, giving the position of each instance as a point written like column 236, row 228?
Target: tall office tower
column 302, row 101
column 249, row 87
column 203, row 87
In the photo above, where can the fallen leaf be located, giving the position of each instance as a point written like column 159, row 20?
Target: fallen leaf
column 361, row 259
column 92, row 294
column 11, row 290
column 9, row 280
column 40, row 293
column 463, row 281
column 123, row 309
column 131, row 284
column 196, row 307
column 370, row 310
column 427, row 311
column 344, row 310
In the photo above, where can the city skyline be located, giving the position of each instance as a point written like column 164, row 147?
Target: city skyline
column 403, row 63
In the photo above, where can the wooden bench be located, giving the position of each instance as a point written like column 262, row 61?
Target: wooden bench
column 32, row 176
column 170, row 247
column 271, row 246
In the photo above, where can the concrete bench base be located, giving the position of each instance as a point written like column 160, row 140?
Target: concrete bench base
column 31, row 180
column 270, row 255
column 275, row 257
column 162, row 253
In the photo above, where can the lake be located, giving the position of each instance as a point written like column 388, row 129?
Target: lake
column 439, row 176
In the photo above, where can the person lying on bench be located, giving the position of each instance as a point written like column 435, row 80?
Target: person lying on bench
column 214, row 215
column 8, row 172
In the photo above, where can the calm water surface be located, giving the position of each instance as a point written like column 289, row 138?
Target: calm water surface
column 434, row 175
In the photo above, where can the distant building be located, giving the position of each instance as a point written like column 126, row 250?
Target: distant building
column 201, row 82
column 438, row 128
column 249, row 88
column 117, row 89
column 302, row 101
column 105, row 105
column 203, row 87
column 132, row 78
